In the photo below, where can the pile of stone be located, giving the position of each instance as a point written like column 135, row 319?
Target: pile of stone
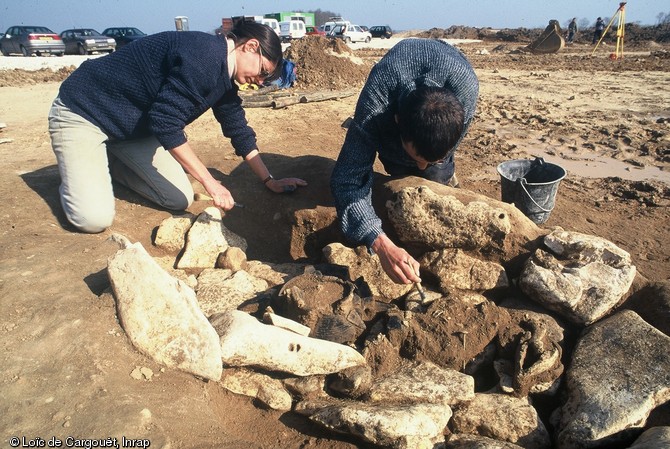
column 514, row 317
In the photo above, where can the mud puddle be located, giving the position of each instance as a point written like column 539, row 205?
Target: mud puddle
column 595, row 166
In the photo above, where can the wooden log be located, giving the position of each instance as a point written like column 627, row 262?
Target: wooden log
column 323, row 96
column 254, row 98
column 279, row 103
column 257, row 104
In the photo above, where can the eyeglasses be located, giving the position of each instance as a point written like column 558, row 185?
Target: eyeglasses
column 262, row 73
column 439, row 161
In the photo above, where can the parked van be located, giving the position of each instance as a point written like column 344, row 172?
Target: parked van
column 272, row 23
column 332, row 23
column 291, row 29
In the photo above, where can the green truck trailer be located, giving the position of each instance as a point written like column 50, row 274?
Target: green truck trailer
column 307, row 17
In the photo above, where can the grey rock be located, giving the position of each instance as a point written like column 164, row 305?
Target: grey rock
column 654, row 438
column 351, row 382
column 456, row 269
column 419, row 214
column 465, row 441
column 583, row 280
column 308, row 387
column 206, row 239
column 266, row 389
column 161, row 316
column 620, row 372
column 504, row 418
column 274, row 274
column 219, row 290
column 362, row 265
column 418, row 426
column 171, row 233
column 247, row 342
column 232, row 258
column 423, row 382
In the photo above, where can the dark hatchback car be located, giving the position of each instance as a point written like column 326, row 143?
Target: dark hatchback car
column 383, row 31
column 84, row 41
column 29, row 40
column 123, row 35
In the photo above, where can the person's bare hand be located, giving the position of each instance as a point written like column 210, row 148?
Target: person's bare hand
column 285, row 185
column 396, row 262
column 221, row 197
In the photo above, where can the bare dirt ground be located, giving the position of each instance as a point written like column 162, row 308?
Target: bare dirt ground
column 66, row 364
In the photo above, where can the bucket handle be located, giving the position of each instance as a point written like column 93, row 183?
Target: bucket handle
column 522, row 181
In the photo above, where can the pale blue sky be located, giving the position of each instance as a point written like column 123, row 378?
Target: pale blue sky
column 152, row 16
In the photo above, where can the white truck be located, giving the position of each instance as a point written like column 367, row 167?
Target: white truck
column 272, row 23
column 291, row 29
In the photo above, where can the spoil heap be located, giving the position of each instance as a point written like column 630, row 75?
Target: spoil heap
column 324, row 63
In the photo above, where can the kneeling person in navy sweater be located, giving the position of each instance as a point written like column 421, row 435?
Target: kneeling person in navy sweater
column 122, row 117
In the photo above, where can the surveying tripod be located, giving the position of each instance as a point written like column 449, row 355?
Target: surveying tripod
column 620, row 32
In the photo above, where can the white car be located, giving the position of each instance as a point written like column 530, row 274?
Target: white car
column 350, row 33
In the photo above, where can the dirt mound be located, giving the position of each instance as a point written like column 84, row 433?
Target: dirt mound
column 20, row 77
column 326, row 64
column 453, row 32
column 635, row 34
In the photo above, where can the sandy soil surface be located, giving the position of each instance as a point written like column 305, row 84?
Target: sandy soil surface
column 66, row 364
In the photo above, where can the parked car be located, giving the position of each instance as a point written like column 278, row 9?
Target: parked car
column 123, row 35
column 84, row 41
column 350, row 33
column 29, row 40
column 383, row 31
column 313, row 31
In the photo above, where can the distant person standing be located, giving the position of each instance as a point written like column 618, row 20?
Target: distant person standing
column 598, row 33
column 572, row 30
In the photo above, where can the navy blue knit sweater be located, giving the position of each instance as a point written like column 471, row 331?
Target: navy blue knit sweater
column 158, row 85
column 410, row 63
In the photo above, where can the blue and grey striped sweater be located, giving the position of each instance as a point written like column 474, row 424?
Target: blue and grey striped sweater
column 410, row 63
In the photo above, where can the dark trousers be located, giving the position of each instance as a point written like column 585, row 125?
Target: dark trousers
column 597, row 35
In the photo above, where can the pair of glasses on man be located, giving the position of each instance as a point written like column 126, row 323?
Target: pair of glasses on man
column 439, row 161
column 262, row 73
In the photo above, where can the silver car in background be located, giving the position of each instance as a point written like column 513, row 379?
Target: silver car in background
column 84, row 41
column 29, row 40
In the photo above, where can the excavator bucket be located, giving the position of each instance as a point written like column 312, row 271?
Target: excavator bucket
column 550, row 41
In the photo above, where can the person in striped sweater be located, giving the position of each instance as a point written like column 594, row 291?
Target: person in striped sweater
column 121, row 117
column 413, row 112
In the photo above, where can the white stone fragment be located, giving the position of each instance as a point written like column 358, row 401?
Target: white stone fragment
column 245, row 341
column 161, row 315
column 417, row 426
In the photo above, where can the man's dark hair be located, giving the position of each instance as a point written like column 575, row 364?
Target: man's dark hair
column 267, row 38
column 432, row 118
